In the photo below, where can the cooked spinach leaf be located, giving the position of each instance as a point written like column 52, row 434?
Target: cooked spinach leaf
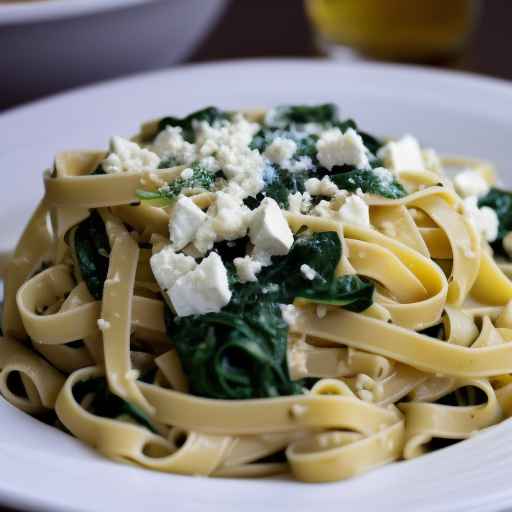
column 501, row 202
column 321, row 252
column 228, row 250
column 107, row 405
column 208, row 114
column 282, row 182
column 367, row 181
column 201, row 180
column 285, row 115
column 240, row 352
column 92, row 250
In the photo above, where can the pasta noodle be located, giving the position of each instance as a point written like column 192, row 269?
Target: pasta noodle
column 250, row 294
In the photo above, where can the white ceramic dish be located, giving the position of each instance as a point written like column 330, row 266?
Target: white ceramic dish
column 52, row 45
column 42, row 467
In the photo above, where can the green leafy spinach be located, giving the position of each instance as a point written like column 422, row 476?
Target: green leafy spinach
column 201, row 180
column 107, row 405
column 208, row 114
column 92, row 250
column 285, row 115
column 501, row 202
column 240, row 352
column 367, row 181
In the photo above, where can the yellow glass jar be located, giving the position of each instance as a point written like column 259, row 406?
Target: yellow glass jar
column 402, row 30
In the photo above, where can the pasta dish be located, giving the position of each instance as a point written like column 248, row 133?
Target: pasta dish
column 244, row 294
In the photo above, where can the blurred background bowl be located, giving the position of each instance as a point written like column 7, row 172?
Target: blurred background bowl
column 50, row 45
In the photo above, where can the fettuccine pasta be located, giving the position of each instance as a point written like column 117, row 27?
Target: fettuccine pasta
column 244, row 294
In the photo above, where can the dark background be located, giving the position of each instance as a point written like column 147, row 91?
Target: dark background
column 279, row 28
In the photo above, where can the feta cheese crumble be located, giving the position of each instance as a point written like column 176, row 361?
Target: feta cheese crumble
column 384, row 175
column 483, row 219
column 227, row 218
column 269, row 230
column 281, row 150
column 202, row 290
column 229, row 143
column 128, row 156
column 185, row 222
column 470, row 183
column 299, row 203
column 223, row 145
column 170, row 144
column 168, row 266
column 355, row 211
column 308, row 272
column 187, row 173
column 323, row 187
column 103, row 325
column 247, row 268
column 402, row 155
column 337, row 148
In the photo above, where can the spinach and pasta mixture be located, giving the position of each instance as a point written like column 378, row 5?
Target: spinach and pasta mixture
column 247, row 293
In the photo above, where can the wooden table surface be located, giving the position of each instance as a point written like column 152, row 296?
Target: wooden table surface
column 279, row 28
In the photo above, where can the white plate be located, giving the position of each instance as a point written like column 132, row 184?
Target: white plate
column 455, row 113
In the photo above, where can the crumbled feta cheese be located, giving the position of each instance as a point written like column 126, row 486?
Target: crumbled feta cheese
column 187, row 173
column 299, row 203
column 384, row 175
column 185, row 221
column 230, row 216
column 168, row 266
column 262, row 257
column 205, row 236
column 169, row 143
column 202, row 290
column 323, row 187
column 281, row 150
column 227, row 218
column 298, row 410
column 403, row 155
column 355, row 211
column 103, row 325
column 223, row 145
column 432, row 161
column 483, row 219
column 268, row 229
column 336, row 148
column 229, row 141
column 308, row 272
column 128, row 156
column 303, row 163
column 247, row 268
column 323, row 209
column 470, row 183
column 290, row 313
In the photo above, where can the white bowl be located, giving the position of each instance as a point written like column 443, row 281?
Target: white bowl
column 56, row 44
column 43, row 468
